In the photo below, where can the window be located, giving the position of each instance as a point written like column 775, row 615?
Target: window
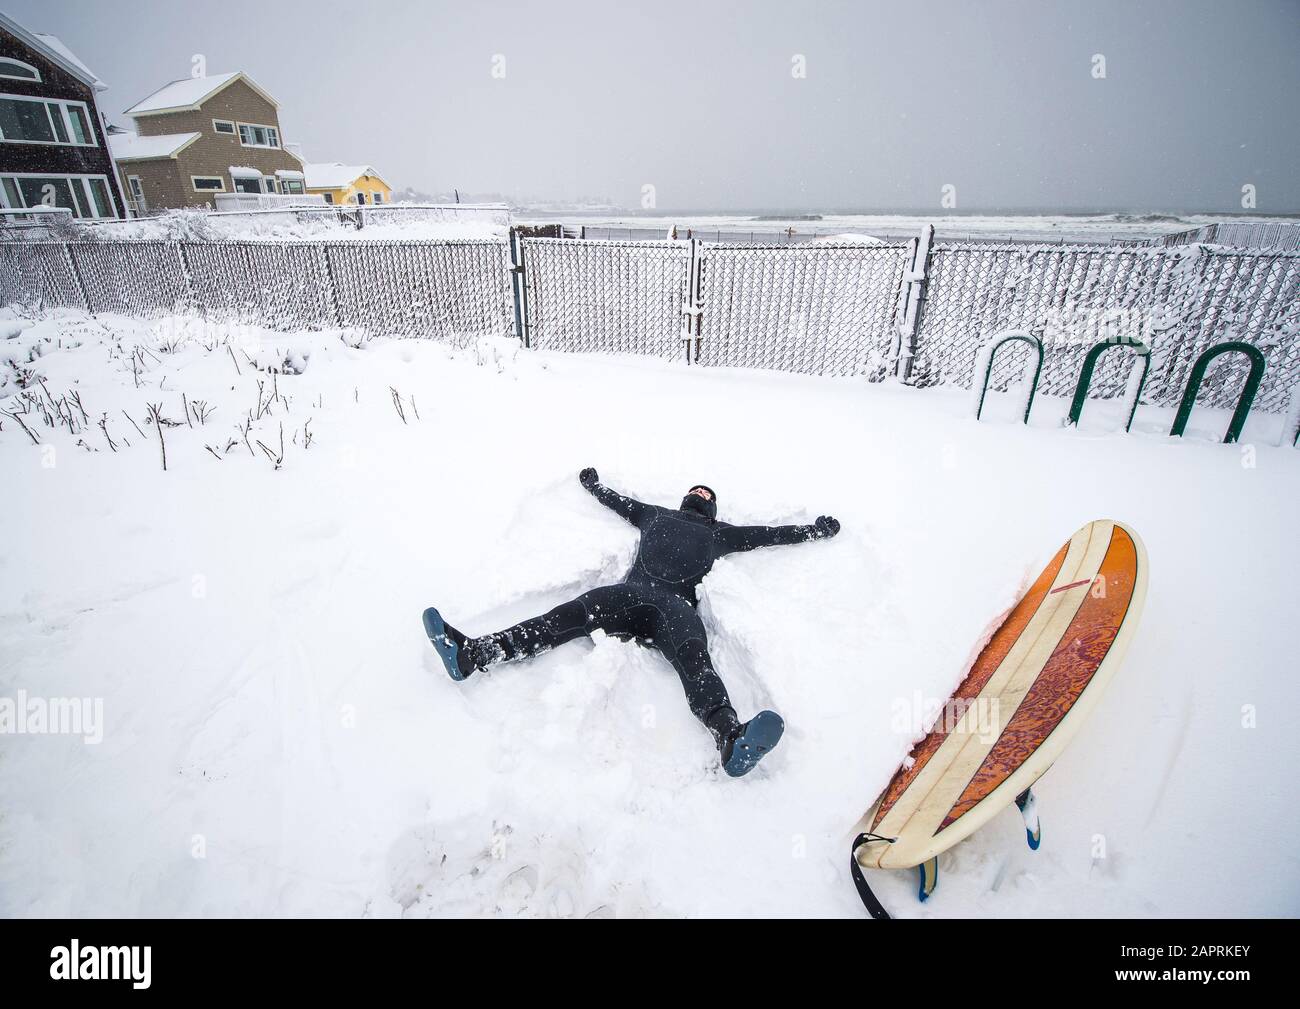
column 18, row 70
column 258, row 136
column 84, row 195
column 56, row 120
column 270, row 184
column 377, row 198
column 81, row 132
column 37, row 121
column 360, row 198
column 248, row 185
column 99, row 196
column 137, row 194
column 52, row 192
column 291, row 186
column 329, row 197
column 208, row 183
column 223, row 126
column 25, row 120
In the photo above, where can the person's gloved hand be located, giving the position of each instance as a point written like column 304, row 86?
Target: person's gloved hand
column 826, row 526
column 589, row 477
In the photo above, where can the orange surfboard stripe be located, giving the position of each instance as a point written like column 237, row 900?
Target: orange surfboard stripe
column 992, row 656
column 1063, row 678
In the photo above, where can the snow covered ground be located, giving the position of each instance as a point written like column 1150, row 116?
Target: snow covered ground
column 278, row 738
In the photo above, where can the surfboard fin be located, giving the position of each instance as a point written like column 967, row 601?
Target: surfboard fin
column 1027, row 803
column 929, row 872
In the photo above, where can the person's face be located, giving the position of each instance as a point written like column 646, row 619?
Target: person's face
column 702, row 492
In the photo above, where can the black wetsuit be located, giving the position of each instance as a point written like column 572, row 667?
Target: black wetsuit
column 655, row 603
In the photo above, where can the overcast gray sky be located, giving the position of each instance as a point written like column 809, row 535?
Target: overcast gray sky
column 698, row 99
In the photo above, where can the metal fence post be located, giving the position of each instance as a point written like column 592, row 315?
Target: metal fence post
column 693, row 307
column 913, row 299
column 518, row 290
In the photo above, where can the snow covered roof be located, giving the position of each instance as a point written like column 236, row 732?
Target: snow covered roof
column 56, row 44
column 336, row 175
column 189, row 93
column 243, row 172
column 287, row 173
column 52, row 47
column 130, row 147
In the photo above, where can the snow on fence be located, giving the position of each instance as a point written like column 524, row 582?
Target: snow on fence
column 452, row 291
column 617, row 297
column 266, row 201
column 819, row 309
column 841, row 309
column 1248, row 234
column 1178, row 302
column 496, row 214
column 915, row 311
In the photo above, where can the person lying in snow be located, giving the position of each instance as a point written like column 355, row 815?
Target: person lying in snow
column 654, row 604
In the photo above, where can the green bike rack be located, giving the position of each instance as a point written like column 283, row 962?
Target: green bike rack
column 1090, row 363
column 1243, row 402
column 1011, row 336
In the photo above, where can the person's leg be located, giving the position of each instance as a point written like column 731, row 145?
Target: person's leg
column 599, row 608
column 531, row 637
column 679, row 634
column 682, row 638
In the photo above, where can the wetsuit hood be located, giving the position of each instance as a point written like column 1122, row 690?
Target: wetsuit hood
column 701, row 505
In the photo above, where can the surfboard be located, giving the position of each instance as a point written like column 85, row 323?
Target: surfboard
column 1029, row 690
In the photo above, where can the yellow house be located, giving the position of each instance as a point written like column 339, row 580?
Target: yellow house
column 340, row 183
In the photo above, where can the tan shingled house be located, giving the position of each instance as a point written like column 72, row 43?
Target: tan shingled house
column 202, row 136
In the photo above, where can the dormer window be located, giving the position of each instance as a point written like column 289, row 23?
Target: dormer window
column 17, row 70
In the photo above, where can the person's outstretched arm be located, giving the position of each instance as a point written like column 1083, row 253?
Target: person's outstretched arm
column 632, row 510
column 733, row 539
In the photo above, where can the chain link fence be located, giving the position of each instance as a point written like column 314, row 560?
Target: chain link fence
column 615, row 297
column 1179, row 302
column 816, row 309
column 454, row 291
column 39, row 275
column 281, row 285
column 142, row 278
column 832, row 309
column 1248, row 234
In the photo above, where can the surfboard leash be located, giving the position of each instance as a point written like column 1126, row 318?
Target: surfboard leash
column 869, row 901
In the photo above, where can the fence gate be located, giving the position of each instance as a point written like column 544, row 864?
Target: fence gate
column 817, row 309
column 617, row 297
